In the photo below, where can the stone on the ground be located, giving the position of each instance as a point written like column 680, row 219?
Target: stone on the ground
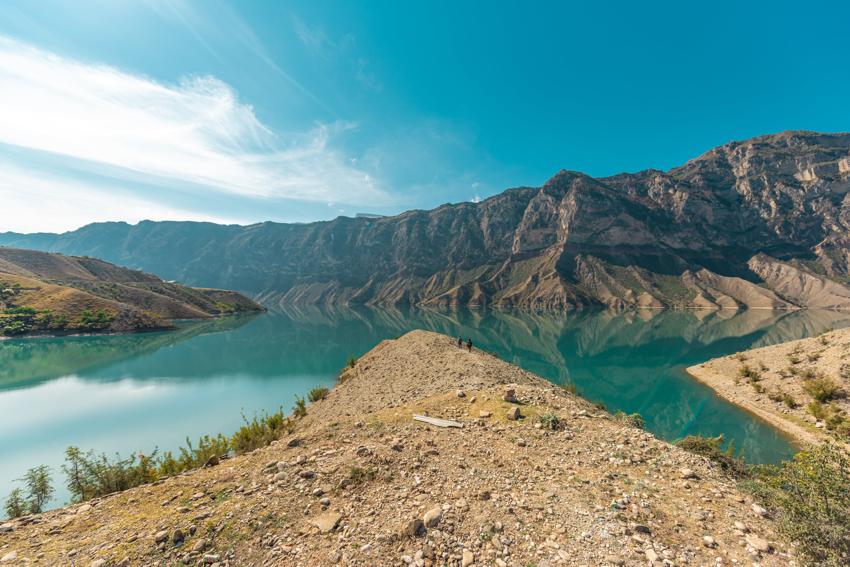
column 759, row 510
column 9, row 557
column 468, row 558
column 432, row 517
column 510, row 396
column 513, row 413
column 757, row 543
column 326, row 522
column 160, row 536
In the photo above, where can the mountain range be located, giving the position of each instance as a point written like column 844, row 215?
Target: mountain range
column 47, row 292
column 760, row 223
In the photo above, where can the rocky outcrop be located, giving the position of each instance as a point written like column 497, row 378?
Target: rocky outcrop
column 680, row 238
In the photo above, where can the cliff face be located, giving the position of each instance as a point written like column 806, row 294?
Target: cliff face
column 759, row 223
column 45, row 292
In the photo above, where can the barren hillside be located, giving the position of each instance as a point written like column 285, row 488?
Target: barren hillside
column 538, row 478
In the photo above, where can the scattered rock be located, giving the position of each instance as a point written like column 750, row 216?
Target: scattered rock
column 98, row 563
column 759, row 544
column 510, row 396
column 9, row 557
column 759, row 510
column 468, row 558
column 651, row 555
column 161, row 536
column 415, row 528
column 7, row 527
column 199, row 546
column 460, row 394
column 484, row 413
column 307, row 474
column 709, row 542
column 326, row 522
column 177, row 537
column 513, row 413
column 211, row 558
column 212, row 461
column 688, row 474
column 432, row 517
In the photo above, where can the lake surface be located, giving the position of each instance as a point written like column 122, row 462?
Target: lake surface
column 138, row 392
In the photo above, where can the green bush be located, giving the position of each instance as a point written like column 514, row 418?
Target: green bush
column 299, row 410
column 318, row 394
column 551, row 421
column 822, row 389
column 712, row 448
column 259, row 431
column 16, row 505
column 39, row 491
column 811, row 496
column 632, row 420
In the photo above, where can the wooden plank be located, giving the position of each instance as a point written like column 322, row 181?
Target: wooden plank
column 436, row 421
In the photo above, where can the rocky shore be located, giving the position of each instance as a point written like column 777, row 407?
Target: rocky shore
column 800, row 387
column 524, row 473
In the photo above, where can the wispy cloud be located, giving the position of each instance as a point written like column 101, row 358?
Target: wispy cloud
column 196, row 131
column 38, row 202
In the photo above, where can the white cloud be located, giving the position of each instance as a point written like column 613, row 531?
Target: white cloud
column 35, row 202
column 196, row 131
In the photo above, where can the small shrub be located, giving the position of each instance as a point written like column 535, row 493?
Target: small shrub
column 317, row 394
column 259, row 431
column 712, row 448
column 299, row 410
column 15, row 505
column 551, row 421
column 359, row 475
column 793, row 358
column 813, row 357
column 812, row 501
column 749, row 374
column 39, row 488
column 822, row 389
column 352, row 361
column 570, row 388
column 789, row 400
column 632, row 420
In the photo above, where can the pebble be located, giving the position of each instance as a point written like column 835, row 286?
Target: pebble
column 161, row 536
column 759, row 510
column 468, row 558
column 432, row 517
column 688, row 473
column 708, row 541
column 11, row 556
column 98, row 563
column 460, row 394
column 178, row 537
column 211, row 558
column 513, row 413
column 757, row 543
column 199, row 546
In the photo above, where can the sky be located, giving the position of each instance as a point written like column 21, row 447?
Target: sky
column 242, row 112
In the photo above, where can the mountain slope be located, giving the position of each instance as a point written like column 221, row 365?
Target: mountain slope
column 49, row 292
column 700, row 235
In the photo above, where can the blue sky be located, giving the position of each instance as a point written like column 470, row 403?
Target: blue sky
column 299, row 111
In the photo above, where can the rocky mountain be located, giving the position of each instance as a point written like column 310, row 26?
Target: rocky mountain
column 763, row 223
column 47, row 292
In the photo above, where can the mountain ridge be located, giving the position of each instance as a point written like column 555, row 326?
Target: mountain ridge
column 757, row 223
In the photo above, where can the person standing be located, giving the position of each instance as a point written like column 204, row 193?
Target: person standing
column 459, row 342
column 469, row 345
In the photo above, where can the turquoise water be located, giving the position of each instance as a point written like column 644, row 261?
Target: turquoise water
column 138, row 392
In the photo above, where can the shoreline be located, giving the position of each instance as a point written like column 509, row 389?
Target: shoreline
column 797, row 435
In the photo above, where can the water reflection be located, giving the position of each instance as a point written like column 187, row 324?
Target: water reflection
column 121, row 393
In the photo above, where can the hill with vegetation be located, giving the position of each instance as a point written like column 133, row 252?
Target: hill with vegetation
column 51, row 293
column 761, row 223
